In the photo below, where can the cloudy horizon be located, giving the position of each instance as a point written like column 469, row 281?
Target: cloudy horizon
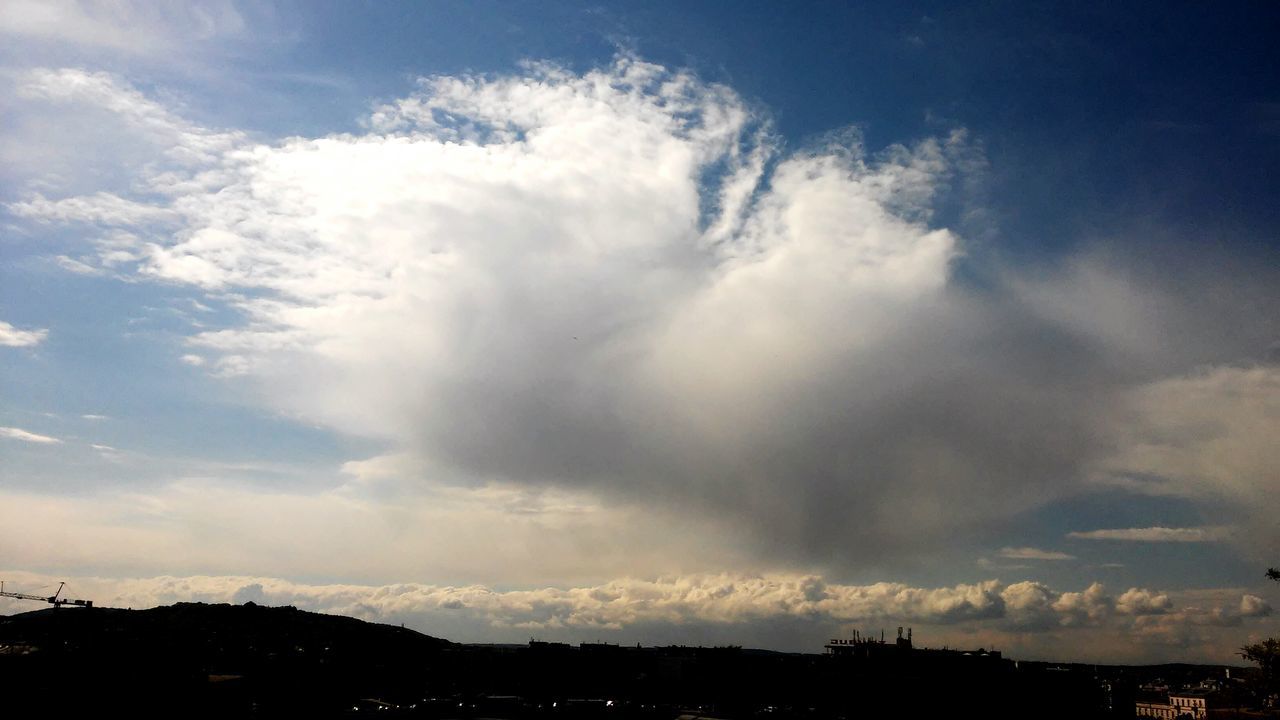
column 598, row 339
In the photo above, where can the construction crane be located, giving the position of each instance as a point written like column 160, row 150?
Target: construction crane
column 54, row 600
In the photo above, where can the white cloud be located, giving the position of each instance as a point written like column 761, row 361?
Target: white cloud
column 1254, row 606
column 1030, row 605
column 1156, row 534
column 20, row 434
column 1202, row 609
column 1029, row 553
column 108, row 452
column 897, row 601
column 1140, row 601
column 391, row 280
column 210, row 522
column 194, row 360
column 83, row 143
column 124, row 26
column 1209, row 436
column 1030, row 614
column 103, row 208
column 1091, row 606
column 617, row 284
column 78, row 267
column 686, row 599
column 178, row 140
column 13, row 337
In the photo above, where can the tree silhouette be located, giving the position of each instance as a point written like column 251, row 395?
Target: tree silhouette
column 1266, row 653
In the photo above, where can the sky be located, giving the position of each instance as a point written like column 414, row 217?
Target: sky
column 694, row 323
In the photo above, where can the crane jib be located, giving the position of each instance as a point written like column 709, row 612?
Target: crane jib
column 53, row 600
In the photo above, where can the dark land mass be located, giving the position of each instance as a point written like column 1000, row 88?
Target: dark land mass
column 195, row 659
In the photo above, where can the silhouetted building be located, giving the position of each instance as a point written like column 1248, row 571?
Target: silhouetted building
column 902, row 650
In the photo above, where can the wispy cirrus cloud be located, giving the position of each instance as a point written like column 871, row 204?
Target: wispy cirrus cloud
column 127, row 27
column 1030, row 553
column 104, row 208
column 14, row 433
column 177, row 139
column 1156, row 534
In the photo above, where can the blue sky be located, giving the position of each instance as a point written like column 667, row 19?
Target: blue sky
column 693, row 321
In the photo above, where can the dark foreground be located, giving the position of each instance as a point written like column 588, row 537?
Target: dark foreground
column 193, row 659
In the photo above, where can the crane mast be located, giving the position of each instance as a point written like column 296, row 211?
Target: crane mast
column 53, row 600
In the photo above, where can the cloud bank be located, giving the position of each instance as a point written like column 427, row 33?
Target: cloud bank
column 1017, row 615
column 1155, row 534
column 620, row 283
column 1028, row 553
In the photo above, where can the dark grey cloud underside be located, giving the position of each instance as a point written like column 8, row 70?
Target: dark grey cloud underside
column 978, row 405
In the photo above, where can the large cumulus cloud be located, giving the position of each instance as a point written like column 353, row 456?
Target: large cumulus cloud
column 620, row 283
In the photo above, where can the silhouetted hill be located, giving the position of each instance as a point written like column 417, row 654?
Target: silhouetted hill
column 203, row 657
column 217, row 630
column 193, row 659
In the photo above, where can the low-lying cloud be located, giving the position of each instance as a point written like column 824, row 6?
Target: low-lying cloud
column 1156, row 534
column 983, row 611
column 1029, row 553
column 719, row 598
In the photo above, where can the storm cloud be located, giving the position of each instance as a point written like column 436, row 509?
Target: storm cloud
column 621, row 283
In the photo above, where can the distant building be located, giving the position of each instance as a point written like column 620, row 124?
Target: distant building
column 1179, row 705
column 902, row 649
column 1192, row 704
column 1153, row 709
column 869, row 648
column 548, row 647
